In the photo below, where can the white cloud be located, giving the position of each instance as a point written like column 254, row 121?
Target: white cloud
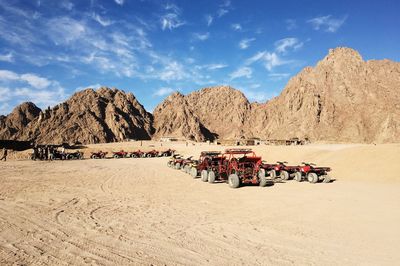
column 8, row 75
column 65, row 30
column 215, row 66
column 222, row 11
column 236, row 27
column 172, row 71
column 327, row 23
column 171, row 20
column 102, row 21
column 281, row 46
column 28, row 87
column 163, row 91
column 241, row 72
column 119, row 2
column 201, row 36
column 291, row 24
column 67, row 5
column 278, row 76
column 36, row 81
column 209, row 20
column 245, row 43
column 7, row 57
column 270, row 60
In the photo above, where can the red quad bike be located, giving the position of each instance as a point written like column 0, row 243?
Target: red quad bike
column 149, row 154
column 178, row 161
column 98, row 155
column 166, row 153
column 241, row 166
column 173, row 159
column 205, row 161
column 312, row 173
column 283, row 171
column 136, row 154
column 185, row 164
column 119, row 154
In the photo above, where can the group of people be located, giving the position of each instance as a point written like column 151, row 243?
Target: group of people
column 47, row 153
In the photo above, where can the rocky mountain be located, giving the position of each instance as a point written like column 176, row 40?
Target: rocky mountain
column 342, row 99
column 18, row 119
column 89, row 116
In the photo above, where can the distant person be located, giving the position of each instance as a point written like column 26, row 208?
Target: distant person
column 51, row 153
column 4, row 155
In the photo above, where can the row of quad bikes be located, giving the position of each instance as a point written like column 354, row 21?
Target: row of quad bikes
column 133, row 154
column 242, row 166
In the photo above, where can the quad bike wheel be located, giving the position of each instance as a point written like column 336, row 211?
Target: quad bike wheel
column 284, row 175
column 261, row 173
column 204, row 176
column 312, row 178
column 297, row 176
column 93, row 156
column 148, row 155
column 116, row 156
column 272, row 174
column 193, row 172
column 263, row 181
column 233, row 181
column 165, row 154
column 133, row 155
column 326, row 179
column 177, row 166
column 211, row 177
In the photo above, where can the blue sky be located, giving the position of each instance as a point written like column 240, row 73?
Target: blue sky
column 49, row 49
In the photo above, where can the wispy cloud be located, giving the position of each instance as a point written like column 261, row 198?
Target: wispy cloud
column 268, row 59
column 291, row 24
column 278, row 76
column 327, row 23
column 9, row 57
column 209, row 19
column 241, row 72
column 224, row 8
column 236, row 27
column 101, row 20
column 282, row 45
column 28, row 87
column 215, row 66
column 120, row 2
column 163, row 91
column 171, row 20
column 245, row 43
column 201, row 36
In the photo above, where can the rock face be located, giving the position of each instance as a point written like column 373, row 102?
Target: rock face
column 89, row 116
column 342, row 99
column 18, row 119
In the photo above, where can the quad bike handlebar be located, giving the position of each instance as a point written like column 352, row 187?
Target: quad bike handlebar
column 309, row 164
column 284, row 162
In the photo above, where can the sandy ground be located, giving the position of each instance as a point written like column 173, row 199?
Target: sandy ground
column 139, row 211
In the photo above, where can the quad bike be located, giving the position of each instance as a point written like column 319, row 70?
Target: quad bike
column 136, row 154
column 171, row 162
column 283, row 171
column 240, row 166
column 98, row 155
column 119, row 154
column 205, row 161
column 74, row 155
column 312, row 173
column 149, row 154
column 166, row 153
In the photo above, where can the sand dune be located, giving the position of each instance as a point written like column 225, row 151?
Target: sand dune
column 139, row 211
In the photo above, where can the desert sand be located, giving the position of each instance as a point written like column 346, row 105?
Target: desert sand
column 139, row 211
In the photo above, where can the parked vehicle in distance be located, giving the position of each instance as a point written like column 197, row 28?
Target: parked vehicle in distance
column 119, row 154
column 313, row 173
column 205, row 161
column 74, row 155
column 167, row 153
column 98, row 155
